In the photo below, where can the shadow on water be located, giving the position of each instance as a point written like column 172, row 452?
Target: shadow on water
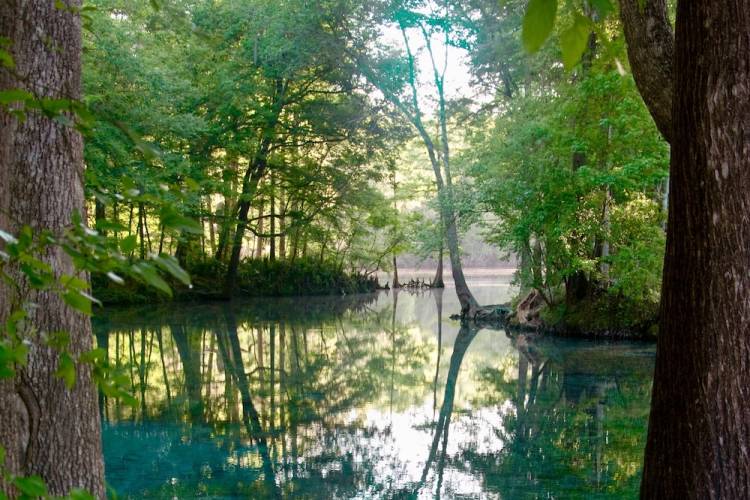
column 373, row 396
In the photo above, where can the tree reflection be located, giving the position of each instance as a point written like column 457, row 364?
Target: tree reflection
column 465, row 336
column 316, row 398
column 253, row 375
column 576, row 426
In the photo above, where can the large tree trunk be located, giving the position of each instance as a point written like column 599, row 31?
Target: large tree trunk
column 699, row 430
column 45, row 428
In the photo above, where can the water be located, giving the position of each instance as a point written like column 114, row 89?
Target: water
column 375, row 396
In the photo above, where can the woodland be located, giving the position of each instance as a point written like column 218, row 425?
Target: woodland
column 218, row 150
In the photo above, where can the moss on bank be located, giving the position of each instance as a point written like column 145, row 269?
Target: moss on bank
column 256, row 278
column 601, row 315
column 604, row 316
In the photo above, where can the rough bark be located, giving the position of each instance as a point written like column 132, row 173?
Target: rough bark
column 650, row 41
column 699, row 430
column 45, row 428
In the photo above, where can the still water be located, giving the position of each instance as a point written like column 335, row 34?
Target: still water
column 378, row 396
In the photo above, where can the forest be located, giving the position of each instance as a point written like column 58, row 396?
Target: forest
column 271, row 242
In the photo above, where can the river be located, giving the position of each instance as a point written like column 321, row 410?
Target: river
column 375, row 396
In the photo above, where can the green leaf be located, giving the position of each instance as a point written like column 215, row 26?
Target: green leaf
column 82, row 112
column 603, row 7
column 2, row 456
column 149, row 275
column 12, row 355
column 6, row 59
column 66, row 370
column 14, row 95
column 59, row 340
column 170, row 264
column 538, row 23
column 78, row 494
column 73, row 282
column 32, row 486
column 78, row 301
column 573, row 41
column 9, row 238
column 6, row 364
column 97, row 355
column 128, row 244
column 15, row 317
column 108, row 225
column 55, row 106
column 116, row 278
column 173, row 220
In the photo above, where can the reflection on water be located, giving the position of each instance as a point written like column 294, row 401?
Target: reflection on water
column 369, row 397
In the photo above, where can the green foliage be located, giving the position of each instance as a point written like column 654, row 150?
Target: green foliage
column 256, row 278
column 302, row 277
column 568, row 173
column 540, row 19
column 573, row 41
column 23, row 264
column 538, row 23
column 191, row 99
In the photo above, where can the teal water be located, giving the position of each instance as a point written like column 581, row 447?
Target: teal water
column 376, row 396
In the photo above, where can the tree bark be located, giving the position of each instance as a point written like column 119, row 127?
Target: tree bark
column 396, row 282
column 282, row 228
column 650, row 41
column 272, row 239
column 438, row 281
column 259, row 244
column 45, row 428
column 699, row 429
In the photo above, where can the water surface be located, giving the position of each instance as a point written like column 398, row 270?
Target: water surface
column 377, row 396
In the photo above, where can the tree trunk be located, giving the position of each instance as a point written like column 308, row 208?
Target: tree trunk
column 250, row 187
column 440, row 163
column 141, row 234
column 45, row 428
column 699, row 429
column 100, row 216
column 272, row 239
column 396, row 283
column 282, row 228
column 468, row 303
column 438, row 281
column 250, row 181
column 261, row 227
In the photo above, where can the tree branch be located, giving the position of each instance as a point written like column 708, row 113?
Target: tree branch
column 650, row 40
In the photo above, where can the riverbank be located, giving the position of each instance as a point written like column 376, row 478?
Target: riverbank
column 256, row 278
column 604, row 316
